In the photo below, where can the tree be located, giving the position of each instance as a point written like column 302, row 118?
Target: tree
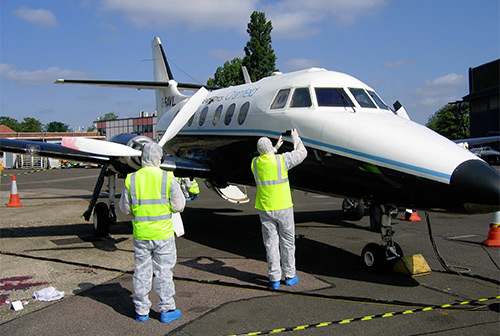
column 30, row 125
column 259, row 59
column 108, row 116
column 11, row 123
column 56, row 126
column 230, row 74
column 451, row 121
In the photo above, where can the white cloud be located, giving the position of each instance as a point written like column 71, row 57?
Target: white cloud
column 38, row 77
column 195, row 14
column 299, row 18
column 440, row 91
column 290, row 18
column 300, row 63
column 41, row 17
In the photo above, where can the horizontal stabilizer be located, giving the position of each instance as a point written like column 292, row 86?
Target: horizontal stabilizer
column 139, row 85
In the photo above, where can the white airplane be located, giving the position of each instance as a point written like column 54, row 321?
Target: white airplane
column 358, row 148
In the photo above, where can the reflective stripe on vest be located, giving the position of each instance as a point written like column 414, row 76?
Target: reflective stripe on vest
column 149, row 190
column 271, row 178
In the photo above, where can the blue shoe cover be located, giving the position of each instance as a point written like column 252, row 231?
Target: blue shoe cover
column 167, row 317
column 141, row 318
column 292, row 281
column 274, row 284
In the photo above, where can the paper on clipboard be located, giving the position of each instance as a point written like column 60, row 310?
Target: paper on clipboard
column 178, row 226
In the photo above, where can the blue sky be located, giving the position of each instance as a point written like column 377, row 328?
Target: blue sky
column 417, row 52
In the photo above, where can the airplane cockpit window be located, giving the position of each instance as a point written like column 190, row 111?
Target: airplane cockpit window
column 203, row 116
column 280, row 100
column 217, row 114
column 301, row 98
column 243, row 113
column 378, row 101
column 229, row 114
column 332, row 97
column 362, row 98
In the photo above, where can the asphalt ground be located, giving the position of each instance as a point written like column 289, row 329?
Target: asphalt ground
column 220, row 276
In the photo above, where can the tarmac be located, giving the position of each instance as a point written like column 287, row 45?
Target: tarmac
column 221, row 272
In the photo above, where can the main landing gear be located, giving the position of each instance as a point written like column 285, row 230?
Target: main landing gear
column 103, row 215
column 385, row 255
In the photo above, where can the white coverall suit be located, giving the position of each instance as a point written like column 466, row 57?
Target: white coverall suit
column 278, row 227
column 154, row 256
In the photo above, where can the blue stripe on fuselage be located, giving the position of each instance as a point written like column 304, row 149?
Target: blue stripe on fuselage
column 259, row 132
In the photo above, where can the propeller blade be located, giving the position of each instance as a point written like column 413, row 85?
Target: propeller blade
column 99, row 147
column 183, row 115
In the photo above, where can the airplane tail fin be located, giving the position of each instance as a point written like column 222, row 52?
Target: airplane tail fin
column 167, row 97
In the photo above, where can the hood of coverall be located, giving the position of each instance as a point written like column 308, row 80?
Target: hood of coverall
column 264, row 146
column 152, row 154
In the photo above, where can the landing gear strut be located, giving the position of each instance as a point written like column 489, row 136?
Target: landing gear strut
column 104, row 216
column 376, row 256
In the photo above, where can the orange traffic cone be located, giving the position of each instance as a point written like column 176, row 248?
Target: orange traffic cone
column 493, row 239
column 14, row 197
column 412, row 216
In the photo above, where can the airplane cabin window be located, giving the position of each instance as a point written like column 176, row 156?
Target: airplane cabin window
column 229, row 114
column 333, row 97
column 377, row 100
column 243, row 113
column 217, row 115
column 301, row 98
column 203, row 116
column 190, row 121
column 280, row 100
column 362, row 98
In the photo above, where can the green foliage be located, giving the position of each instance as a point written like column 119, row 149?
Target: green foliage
column 11, row 123
column 108, row 116
column 228, row 75
column 451, row 121
column 56, row 126
column 30, row 125
column 259, row 59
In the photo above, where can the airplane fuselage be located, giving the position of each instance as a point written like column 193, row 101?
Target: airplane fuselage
column 357, row 147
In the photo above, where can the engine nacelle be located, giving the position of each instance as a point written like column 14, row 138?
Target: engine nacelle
column 128, row 164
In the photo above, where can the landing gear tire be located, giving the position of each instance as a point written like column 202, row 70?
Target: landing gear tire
column 101, row 220
column 373, row 256
column 352, row 209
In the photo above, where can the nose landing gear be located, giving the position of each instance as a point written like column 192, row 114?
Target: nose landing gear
column 385, row 255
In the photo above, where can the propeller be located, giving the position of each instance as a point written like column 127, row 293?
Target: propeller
column 107, row 148
column 183, row 115
column 99, row 147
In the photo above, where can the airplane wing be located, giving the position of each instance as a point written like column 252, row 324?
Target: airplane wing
column 52, row 150
column 185, row 167
column 479, row 141
column 139, row 85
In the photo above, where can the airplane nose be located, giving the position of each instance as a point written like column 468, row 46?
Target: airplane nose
column 477, row 185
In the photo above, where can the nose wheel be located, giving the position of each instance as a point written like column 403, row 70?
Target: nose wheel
column 381, row 256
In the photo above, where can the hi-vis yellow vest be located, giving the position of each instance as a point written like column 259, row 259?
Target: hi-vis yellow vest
column 271, row 178
column 149, row 190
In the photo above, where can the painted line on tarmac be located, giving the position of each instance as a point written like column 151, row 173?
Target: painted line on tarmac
column 367, row 318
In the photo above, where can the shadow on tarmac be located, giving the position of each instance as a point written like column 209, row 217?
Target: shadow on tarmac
column 237, row 232
column 242, row 236
column 112, row 295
